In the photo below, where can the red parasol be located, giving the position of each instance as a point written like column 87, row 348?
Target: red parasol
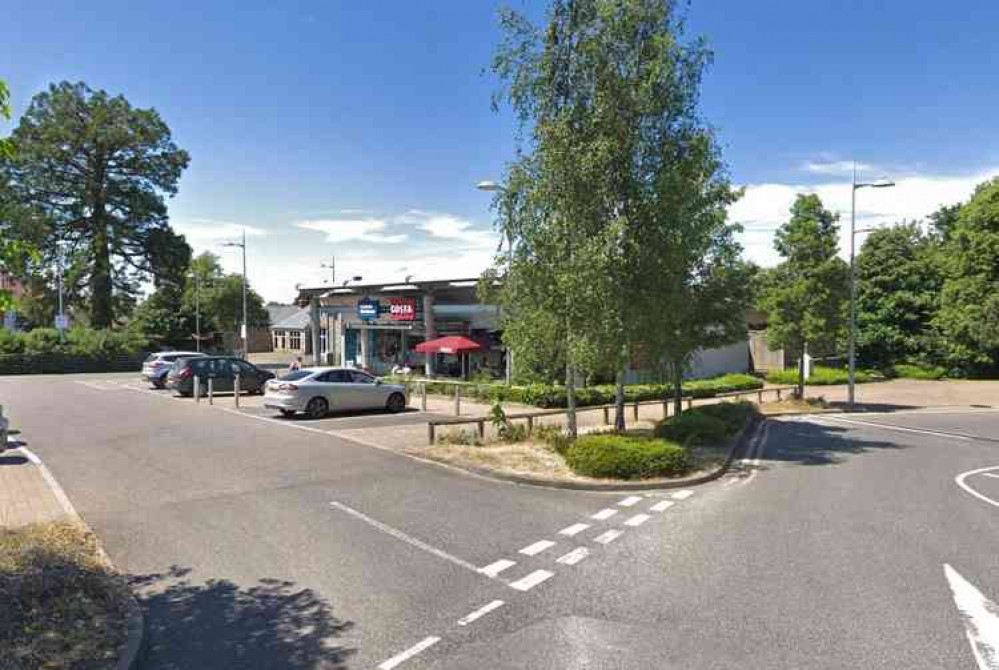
column 453, row 344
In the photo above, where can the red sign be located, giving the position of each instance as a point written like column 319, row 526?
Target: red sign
column 402, row 309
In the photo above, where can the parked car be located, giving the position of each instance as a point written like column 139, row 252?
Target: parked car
column 222, row 370
column 317, row 391
column 156, row 366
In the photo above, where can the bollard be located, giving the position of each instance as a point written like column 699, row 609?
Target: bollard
column 197, row 389
column 211, row 391
column 457, row 400
column 423, row 401
column 235, row 390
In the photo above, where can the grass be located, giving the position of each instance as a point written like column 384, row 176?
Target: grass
column 62, row 606
column 795, row 406
column 822, row 376
column 911, row 371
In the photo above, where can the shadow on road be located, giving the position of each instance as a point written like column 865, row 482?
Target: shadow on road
column 873, row 406
column 13, row 459
column 809, row 443
column 217, row 624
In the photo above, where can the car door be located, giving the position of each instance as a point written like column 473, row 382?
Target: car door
column 222, row 375
column 337, row 390
column 368, row 393
column 249, row 376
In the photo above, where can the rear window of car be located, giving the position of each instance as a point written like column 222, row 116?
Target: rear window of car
column 295, row 375
column 169, row 358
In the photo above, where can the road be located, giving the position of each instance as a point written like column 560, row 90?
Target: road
column 269, row 543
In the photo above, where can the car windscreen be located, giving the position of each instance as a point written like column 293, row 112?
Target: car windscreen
column 295, row 375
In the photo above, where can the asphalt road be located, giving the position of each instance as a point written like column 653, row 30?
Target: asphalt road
column 260, row 543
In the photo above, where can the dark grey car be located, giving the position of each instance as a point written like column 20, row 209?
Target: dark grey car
column 222, row 370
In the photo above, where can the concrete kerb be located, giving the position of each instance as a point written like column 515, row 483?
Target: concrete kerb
column 130, row 651
column 738, row 442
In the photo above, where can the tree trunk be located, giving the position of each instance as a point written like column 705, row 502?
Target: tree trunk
column 570, row 398
column 677, row 388
column 101, row 311
column 619, row 423
column 800, row 392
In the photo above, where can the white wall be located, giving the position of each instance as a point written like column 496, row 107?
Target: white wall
column 706, row 363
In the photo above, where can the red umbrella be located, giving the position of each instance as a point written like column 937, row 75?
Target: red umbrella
column 453, row 344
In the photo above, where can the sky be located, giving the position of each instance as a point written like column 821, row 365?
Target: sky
column 357, row 131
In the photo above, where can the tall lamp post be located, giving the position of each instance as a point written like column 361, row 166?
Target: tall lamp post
column 492, row 187
column 61, row 318
column 881, row 183
column 197, row 310
column 243, row 332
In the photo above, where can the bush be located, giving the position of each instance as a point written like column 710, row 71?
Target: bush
column 733, row 414
column 911, row 371
column 617, row 456
column 468, row 438
column 822, row 376
column 84, row 350
column 693, row 428
column 554, row 438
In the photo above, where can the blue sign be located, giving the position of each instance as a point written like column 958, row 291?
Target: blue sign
column 367, row 309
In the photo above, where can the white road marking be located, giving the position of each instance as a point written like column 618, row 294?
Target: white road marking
column 629, row 501
column 637, row 520
column 756, row 448
column 662, row 506
column 409, row 653
column 903, row 429
column 604, row 514
column 481, row 612
column 537, row 547
column 574, row 529
column 992, row 474
column 574, row 556
column 981, row 619
column 499, row 566
column 57, row 491
column 964, row 485
column 683, row 495
column 530, row 581
column 609, row 536
column 399, row 535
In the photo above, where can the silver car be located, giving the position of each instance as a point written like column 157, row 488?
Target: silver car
column 157, row 365
column 318, row 391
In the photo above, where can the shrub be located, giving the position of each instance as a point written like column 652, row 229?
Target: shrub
column 468, row 438
column 693, row 428
column 911, row 371
column 505, row 430
column 618, row 456
column 554, row 438
column 732, row 414
column 822, row 376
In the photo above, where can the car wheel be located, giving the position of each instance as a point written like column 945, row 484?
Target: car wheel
column 288, row 412
column 395, row 403
column 317, row 408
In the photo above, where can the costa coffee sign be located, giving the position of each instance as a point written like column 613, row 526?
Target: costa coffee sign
column 402, row 309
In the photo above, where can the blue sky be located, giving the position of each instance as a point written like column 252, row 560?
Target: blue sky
column 358, row 130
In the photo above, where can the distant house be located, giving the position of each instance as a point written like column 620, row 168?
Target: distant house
column 292, row 332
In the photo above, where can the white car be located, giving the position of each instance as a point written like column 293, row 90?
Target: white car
column 318, row 391
column 156, row 366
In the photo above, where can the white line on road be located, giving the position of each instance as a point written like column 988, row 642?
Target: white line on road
column 629, row 501
column 608, row 537
column 399, row 535
column 981, row 619
column 481, row 612
column 637, row 520
column 903, row 429
column 537, row 547
column 574, row 529
column 683, row 495
column 57, row 491
column 532, row 580
column 409, row 653
column 662, row 506
column 574, row 556
column 499, row 566
column 604, row 514
column 964, row 475
column 992, row 474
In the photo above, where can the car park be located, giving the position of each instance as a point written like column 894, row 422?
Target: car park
column 222, row 371
column 157, row 366
column 318, row 391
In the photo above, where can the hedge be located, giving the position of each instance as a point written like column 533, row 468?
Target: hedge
column 616, row 456
column 911, row 371
column 706, row 424
column 822, row 376
column 59, row 363
column 84, row 350
column 551, row 396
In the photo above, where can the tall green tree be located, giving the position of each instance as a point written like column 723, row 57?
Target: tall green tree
column 968, row 318
column 92, row 174
column 14, row 254
column 898, row 294
column 805, row 296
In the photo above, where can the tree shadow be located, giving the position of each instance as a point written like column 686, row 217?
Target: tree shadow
column 13, row 459
column 871, row 406
column 218, row 624
column 807, row 443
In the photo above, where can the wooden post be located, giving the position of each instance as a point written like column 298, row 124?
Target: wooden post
column 423, row 401
column 606, row 416
column 197, row 389
column 482, row 429
column 430, row 433
column 690, row 402
column 636, row 410
column 457, row 400
column 760, row 395
column 235, row 390
column 665, row 409
column 530, row 425
column 778, row 395
column 211, row 391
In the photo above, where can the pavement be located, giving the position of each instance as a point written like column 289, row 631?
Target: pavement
column 859, row 541
column 25, row 495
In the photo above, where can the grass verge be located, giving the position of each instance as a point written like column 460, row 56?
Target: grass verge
column 62, row 606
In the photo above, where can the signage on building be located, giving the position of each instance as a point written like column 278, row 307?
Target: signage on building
column 61, row 321
column 367, row 309
column 402, row 309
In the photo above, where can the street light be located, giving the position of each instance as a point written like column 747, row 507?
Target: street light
column 61, row 319
column 331, row 266
column 880, row 183
column 197, row 309
column 243, row 333
column 493, row 187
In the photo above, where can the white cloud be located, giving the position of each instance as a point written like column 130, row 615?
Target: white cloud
column 764, row 207
column 346, row 230
column 201, row 232
column 833, row 167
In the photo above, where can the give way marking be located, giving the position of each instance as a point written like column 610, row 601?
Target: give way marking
column 981, row 619
column 961, row 480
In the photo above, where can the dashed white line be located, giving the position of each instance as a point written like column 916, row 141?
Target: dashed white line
column 409, row 653
column 499, row 566
column 537, row 547
column 574, row 529
column 530, row 581
column 604, row 514
column 637, row 520
column 662, row 506
column 608, row 537
column 683, row 495
column 574, row 556
column 629, row 501
column 481, row 612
